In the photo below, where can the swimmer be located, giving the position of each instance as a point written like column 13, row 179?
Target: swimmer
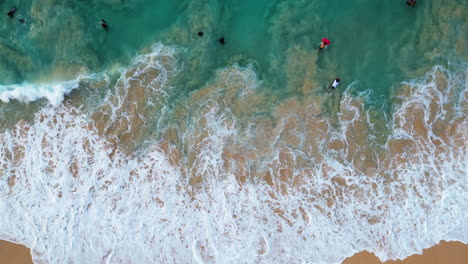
column 104, row 24
column 12, row 12
column 200, row 33
column 21, row 21
column 335, row 84
column 221, row 41
column 325, row 42
column 411, row 2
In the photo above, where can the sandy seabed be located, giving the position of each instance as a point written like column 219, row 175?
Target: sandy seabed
column 444, row 252
column 14, row 253
column 283, row 153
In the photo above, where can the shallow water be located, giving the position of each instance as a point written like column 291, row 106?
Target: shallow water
column 372, row 42
column 168, row 147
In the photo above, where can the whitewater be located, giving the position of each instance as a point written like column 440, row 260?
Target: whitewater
column 133, row 180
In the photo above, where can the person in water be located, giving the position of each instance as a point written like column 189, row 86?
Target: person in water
column 104, row 24
column 411, row 2
column 221, row 41
column 335, row 84
column 200, row 33
column 12, row 12
column 325, row 42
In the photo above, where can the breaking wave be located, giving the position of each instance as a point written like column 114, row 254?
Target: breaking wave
column 212, row 182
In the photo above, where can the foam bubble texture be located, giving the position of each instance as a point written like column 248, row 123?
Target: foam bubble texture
column 53, row 92
column 65, row 198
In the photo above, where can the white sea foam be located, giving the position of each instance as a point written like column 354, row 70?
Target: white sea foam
column 27, row 92
column 71, row 202
column 55, row 92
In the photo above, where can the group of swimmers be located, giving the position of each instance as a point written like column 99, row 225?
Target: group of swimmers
column 325, row 42
column 11, row 14
column 221, row 40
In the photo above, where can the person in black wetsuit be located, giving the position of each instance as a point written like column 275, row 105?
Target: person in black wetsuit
column 12, row 12
column 104, row 24
column 411, row 3
column 221, row 41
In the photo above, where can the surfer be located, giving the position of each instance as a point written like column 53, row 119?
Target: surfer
column 12, row 12
column 411, row 2
column 104, row 24
column 335, row 84
column 325, row 42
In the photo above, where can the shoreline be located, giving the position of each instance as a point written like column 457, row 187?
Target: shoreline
column 14, row 253
column 445, row 252
column 452, row 252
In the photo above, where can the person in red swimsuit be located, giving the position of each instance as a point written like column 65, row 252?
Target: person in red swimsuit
column 325, row 42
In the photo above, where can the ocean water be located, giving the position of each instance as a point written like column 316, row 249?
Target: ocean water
column 147, row 143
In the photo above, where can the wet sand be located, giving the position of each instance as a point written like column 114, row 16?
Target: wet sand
column 444, row 252
column 14, row 253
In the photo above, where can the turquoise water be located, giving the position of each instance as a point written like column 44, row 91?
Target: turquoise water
column 147, row 143
column 373, row 42
column 375, row 46
column 61, row 39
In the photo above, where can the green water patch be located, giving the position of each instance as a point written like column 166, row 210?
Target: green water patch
column 58, row 40
column 375, row 44
column 15, row 111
